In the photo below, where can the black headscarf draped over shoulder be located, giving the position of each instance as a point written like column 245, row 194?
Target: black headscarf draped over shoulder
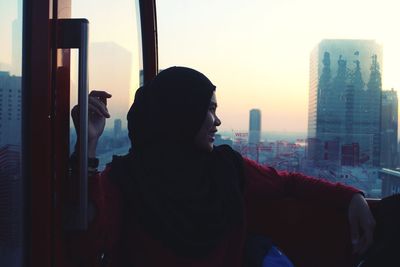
column 187, row 198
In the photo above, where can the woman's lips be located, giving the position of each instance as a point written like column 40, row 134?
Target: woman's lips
column 211, row 137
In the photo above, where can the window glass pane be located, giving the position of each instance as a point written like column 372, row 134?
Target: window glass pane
column 114, row 66
column 11, row 209
column 307, row 86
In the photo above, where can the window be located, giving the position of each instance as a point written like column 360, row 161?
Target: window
column 11, row 187
column 316, row 71
column 395, row 189
column 114, row 66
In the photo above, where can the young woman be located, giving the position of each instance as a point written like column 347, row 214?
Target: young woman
column 176, row 199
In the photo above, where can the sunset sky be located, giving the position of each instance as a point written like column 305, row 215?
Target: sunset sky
column 256, row 52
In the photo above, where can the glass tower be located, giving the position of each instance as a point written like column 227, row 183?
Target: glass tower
column 345, row 103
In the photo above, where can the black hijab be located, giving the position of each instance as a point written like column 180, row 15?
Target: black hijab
column 186, row 198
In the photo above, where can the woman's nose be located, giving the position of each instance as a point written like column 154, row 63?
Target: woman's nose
column 217, row 121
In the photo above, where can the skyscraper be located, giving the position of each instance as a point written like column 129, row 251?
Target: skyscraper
column 255, row 127
column 389, row 122
column 345, row 101
column 11, row 189
column 10, row 109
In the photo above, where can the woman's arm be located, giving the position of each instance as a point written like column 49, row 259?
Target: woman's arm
column 97, row 109
column 96, row 244
column 263, row 183
column 97, row 114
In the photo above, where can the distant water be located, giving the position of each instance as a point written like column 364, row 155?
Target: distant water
column 272, row 136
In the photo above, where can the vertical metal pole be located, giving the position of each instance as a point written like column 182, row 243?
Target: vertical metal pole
column 74, row 33
column 83, row 125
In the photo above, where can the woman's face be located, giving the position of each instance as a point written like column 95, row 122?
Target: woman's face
column 206, row 135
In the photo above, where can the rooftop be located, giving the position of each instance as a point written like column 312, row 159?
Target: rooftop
column 390, row 172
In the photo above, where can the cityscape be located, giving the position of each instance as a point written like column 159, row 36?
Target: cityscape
column 352, row 124
column 352, row 134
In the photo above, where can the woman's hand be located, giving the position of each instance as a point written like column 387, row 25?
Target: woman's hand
column 97, row 114
column 362, row 224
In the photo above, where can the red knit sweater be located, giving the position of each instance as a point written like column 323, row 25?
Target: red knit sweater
column 104, row 244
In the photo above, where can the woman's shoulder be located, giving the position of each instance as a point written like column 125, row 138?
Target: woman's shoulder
column 253, row 168
column 230, row 153
column 246, row 163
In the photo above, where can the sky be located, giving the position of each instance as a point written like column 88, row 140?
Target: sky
column 256, row 52
column 8, row 13
column 114, row 55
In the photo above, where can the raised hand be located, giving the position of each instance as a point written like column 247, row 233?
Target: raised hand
column 97, row 114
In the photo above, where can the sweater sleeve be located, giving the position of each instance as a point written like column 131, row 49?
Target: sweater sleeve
column 98, row 243
column 263, row 183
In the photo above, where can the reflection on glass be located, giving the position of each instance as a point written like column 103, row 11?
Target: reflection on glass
column 344, row 112
column 11, row 221
column 114, row 66
column 319, row 75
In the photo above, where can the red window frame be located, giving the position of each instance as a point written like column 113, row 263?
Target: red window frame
column 45, row 133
